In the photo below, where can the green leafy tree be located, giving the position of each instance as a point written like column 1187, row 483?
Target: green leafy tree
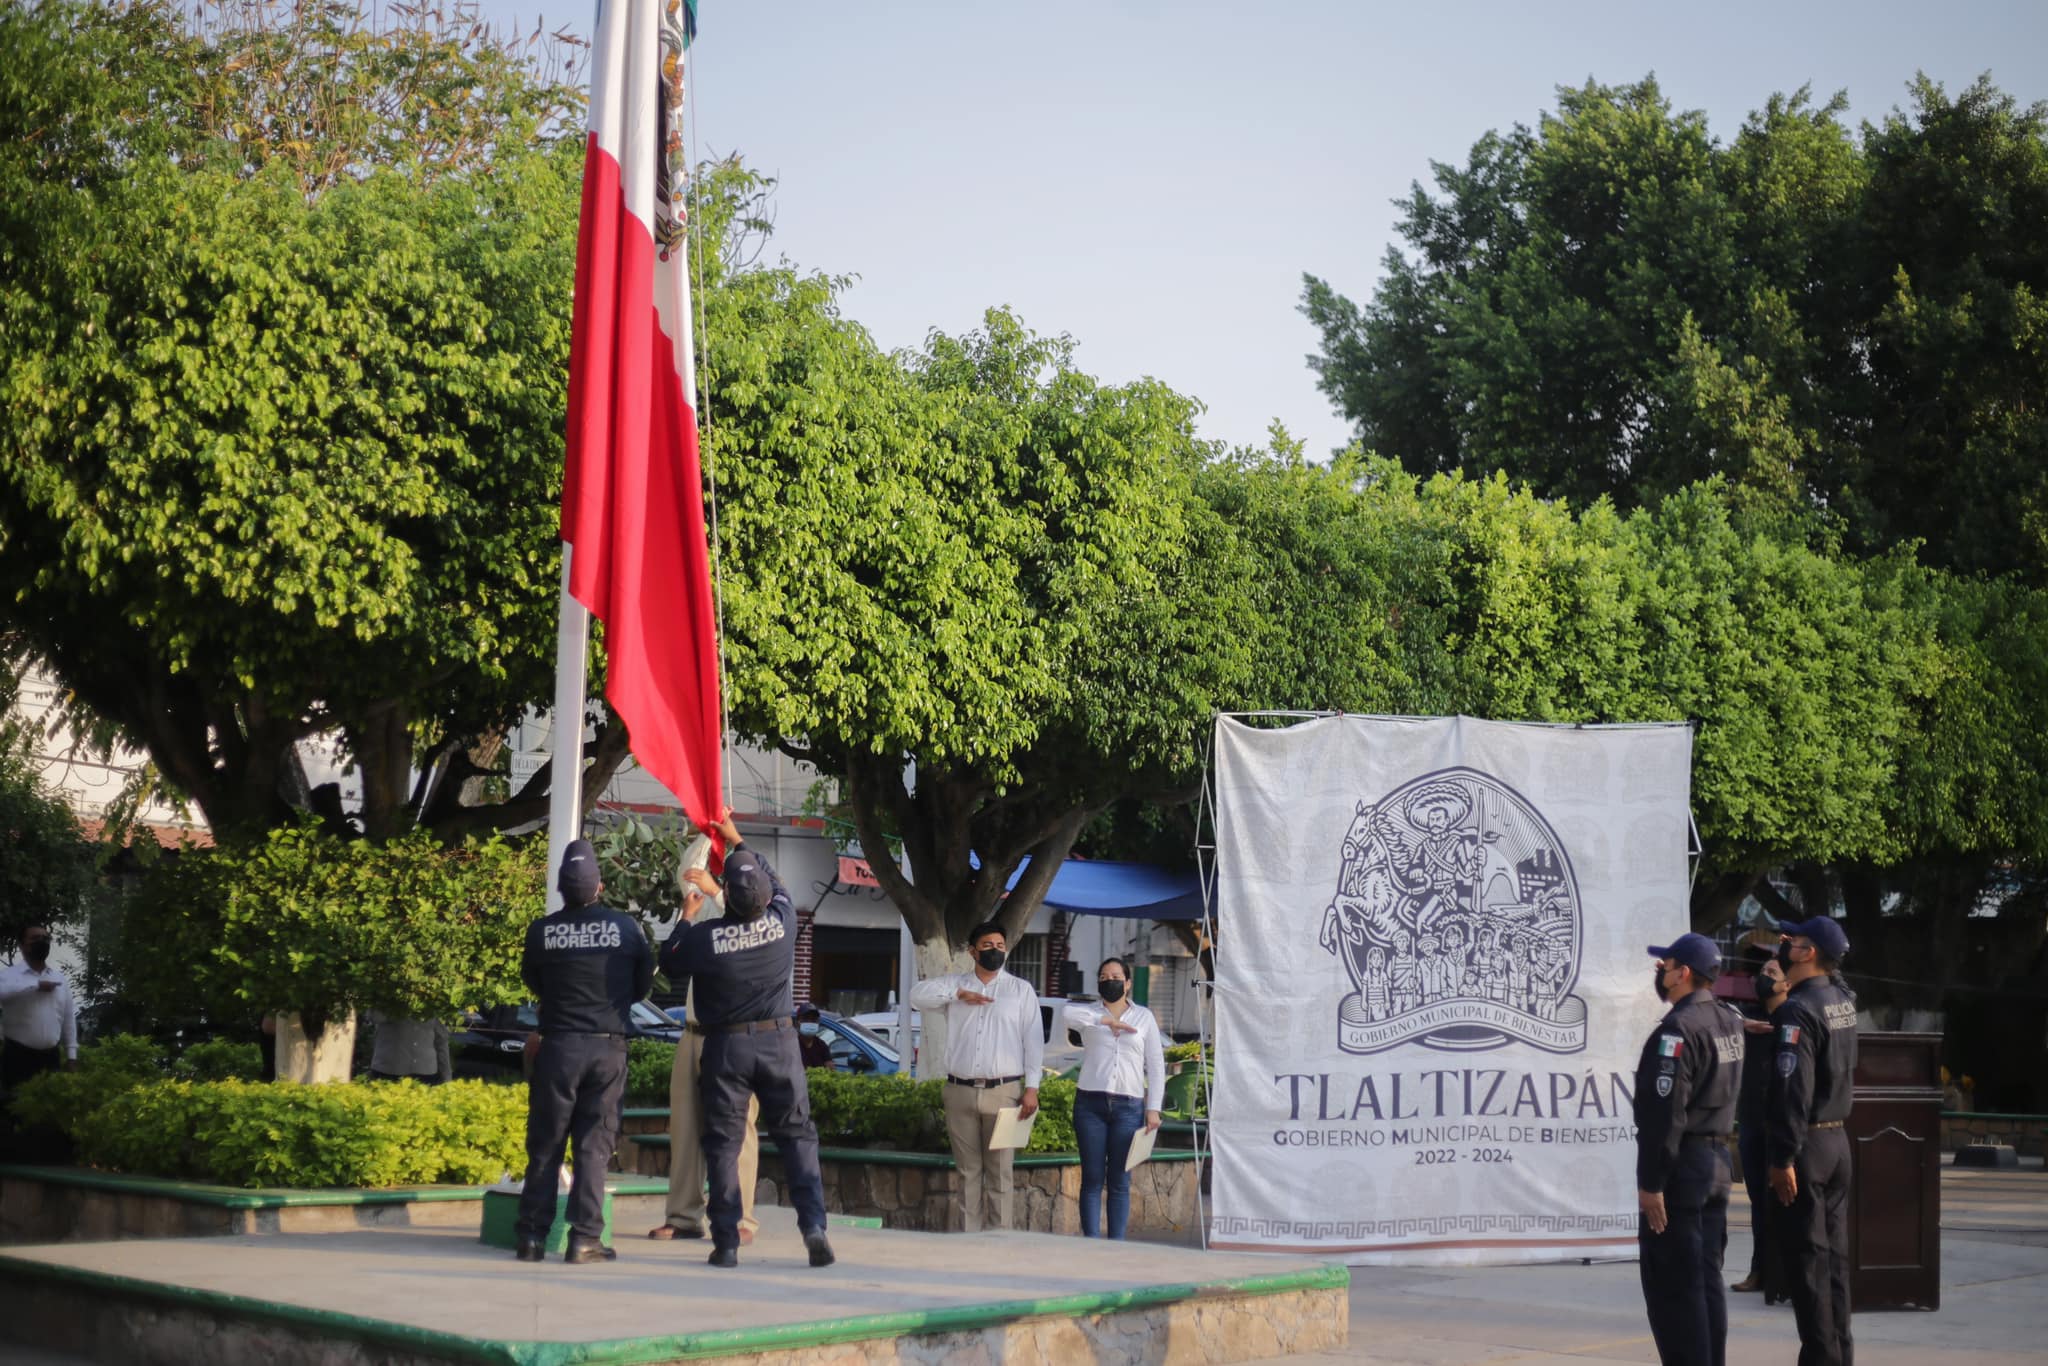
column 1952, row 308
column 974, row 562
column 304, row 922
column 286, row 301
column 1617, row 303
column 49, row 874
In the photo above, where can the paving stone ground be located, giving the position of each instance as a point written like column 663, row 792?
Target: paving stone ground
column 1994, row 1301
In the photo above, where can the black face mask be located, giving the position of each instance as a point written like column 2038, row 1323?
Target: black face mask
column 991, row 959
column 1110, row 991
column 37, row 951
column 1657, row 981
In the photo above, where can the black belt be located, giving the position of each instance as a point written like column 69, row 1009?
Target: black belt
column 982, row 1083
column 746, row 1026
column 582, row 1034
column 1704, row 1138
column 1828, row 1124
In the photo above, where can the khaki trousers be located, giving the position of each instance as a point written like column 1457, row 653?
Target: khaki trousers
column 686, row 1144
column 985, row 1183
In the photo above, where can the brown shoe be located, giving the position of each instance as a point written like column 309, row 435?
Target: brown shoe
column 667, row 1231
column 1747, row 1283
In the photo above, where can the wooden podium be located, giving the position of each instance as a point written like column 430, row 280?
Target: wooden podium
column 1895, row 1200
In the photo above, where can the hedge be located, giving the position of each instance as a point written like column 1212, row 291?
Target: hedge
column 869, row 1111
column 121, row 1112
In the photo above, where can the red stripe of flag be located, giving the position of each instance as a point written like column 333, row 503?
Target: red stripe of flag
column 632, row 495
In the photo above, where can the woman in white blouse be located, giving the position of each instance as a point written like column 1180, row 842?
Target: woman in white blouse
column 1123, row 1082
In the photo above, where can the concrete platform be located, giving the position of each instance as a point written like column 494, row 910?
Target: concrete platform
column 414, row 1295
column 1994, row 1300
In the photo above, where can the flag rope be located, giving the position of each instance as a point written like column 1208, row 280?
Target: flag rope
column 702, row 342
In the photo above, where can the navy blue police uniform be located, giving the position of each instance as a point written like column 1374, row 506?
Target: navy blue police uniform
column 1808, row 1100
column 1766, row 1264
column 587, row 964
column 742, row 966
column 1686, row 1086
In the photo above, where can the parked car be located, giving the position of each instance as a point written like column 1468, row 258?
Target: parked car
column 492, row 1043
column 883, row 1024
column 854, row 1047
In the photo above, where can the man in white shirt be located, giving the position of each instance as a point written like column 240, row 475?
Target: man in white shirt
column 38, row 1017
column 995, row 1044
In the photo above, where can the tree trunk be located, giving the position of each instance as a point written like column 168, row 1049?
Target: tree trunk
column 935, row 958
column 312, row 1050
column 1717, row 898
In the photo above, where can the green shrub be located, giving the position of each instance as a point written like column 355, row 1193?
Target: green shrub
column 236, row 1133
column 219, row 1060
column 127, row 1055
column 1054, row 1132
column 899, row 1112
column 648, row 1064
column 888, row 1111
column 106, row 1068
column 1190, row 1051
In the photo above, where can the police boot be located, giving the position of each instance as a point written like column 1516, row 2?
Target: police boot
column 531, row 1250
column 581, row 1252
column 724, row 1256
column 820, row 1250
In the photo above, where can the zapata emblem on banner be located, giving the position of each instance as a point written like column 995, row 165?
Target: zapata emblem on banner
column 1457, row 919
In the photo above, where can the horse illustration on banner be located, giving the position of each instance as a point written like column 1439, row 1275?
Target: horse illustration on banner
column 1457, row 919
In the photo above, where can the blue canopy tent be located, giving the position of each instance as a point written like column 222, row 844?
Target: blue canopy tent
column 1132, row 891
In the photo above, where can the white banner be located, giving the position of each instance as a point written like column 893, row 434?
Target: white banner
column 1433, row 983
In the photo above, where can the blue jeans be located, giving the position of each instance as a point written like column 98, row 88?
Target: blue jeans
column 1104, row 1125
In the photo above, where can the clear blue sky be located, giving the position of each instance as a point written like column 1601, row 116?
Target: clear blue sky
column 1154, row 178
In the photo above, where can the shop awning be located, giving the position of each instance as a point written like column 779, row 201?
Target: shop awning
column 1133, row 891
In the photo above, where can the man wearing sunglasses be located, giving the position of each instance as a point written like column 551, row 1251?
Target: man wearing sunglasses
column 38, row 1017
column 1805, row 1146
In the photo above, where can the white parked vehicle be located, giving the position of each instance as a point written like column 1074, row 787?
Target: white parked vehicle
column 883, row 1022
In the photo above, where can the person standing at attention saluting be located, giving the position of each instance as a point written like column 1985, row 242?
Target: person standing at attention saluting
column 995, row 1047
column 1123, row 1085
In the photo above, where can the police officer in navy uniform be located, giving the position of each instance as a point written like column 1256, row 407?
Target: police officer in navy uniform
column 1685, row 1095
column 1806, row 1149
column 587, row 964
column 742, row 966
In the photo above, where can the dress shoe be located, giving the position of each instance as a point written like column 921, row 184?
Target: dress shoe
column 531, row 1250
column 821, row 1251
column 1747, row 1283
column 581, row 1253
column 725, row 1256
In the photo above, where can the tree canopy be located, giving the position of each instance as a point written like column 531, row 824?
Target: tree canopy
column 1615, row 302
column 972, row 560
column 286, row 301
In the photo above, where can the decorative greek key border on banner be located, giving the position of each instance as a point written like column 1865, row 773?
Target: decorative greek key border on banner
column 1430, row 1226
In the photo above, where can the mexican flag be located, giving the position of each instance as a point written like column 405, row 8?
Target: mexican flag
column 632, row 499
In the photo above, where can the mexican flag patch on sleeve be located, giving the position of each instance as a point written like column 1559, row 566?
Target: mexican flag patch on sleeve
column 1670, row 1046
column 1788, row 1036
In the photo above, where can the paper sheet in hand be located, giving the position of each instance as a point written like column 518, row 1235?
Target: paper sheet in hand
column 1011, row 1132
column 1141, row 1148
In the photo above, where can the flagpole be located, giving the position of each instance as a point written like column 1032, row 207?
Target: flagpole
column 565, row 780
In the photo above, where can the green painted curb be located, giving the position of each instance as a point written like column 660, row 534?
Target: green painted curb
column 893, row 1157
column 236, row 1197
column 639, row 1351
